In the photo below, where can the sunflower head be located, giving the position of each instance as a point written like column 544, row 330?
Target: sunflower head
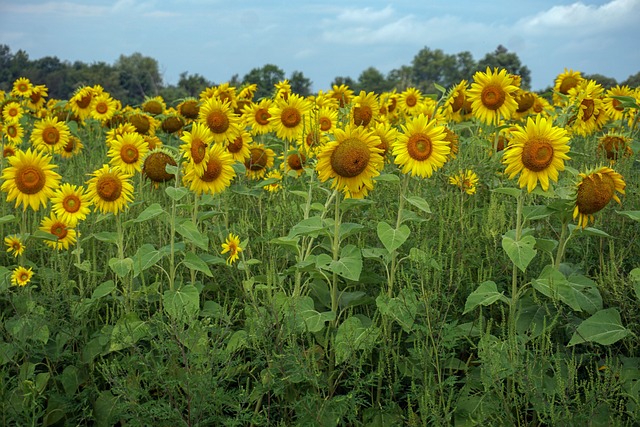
column 154, row 106
column 595, row 190
column 155, row 165
column 21, row 276
column 614, row 145
column 232, row 247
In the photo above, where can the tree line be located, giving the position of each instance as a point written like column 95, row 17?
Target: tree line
column 135, row 77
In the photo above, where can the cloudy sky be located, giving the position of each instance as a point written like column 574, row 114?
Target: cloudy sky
column 328, row 38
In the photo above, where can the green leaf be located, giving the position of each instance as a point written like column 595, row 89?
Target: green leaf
column 520, row 252
column 419, row 203
column 309, row 226
column 349, row 265
column 510, row 191
column 150, row 212
column 634, row 215
column 107, row 236
column 554, row 285
column 589, row 231
column 239, row 340
column 190, row 232
column 127, row 331
column 387, row 177
column 353, row 336
column 392, row 238
column 536, row 212
column 145, row 257
column 485, row 295
column 176, row 193
column 194, row 262
column 349, row 228
column 586, row 292
column 7, row 218
column 121, row 267
column 182, row 304
column 287, row 242
column 84, row 265
column 603, row 327
column 635, row 278
column 103, row 289
column 403, row 308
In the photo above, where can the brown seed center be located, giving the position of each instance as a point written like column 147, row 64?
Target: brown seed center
column 350, row 158
column 537, row 155
column 109, row 188
column 493, row 97
column 419, row 146
column 30, row 179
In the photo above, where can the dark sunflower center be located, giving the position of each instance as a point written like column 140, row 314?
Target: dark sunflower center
column 493, row 97
column 153, row 107
column 312, row 139
column 419, row 146
column 16, row 246
column 84, row 101
column 109, row 188
column 612, row 146
column 23, row 277
column 594, row 193
column 51, row 135
column 23, row 88
column 59, row 229
column 411, row 100
column 262, row 117
column 213, row 170
column 71, row 203
column 525, row 102
column 236, row 145
column 567, row 84
column 172, row 124
column 290, row 117
column 13, row 112
column 350, row 158
column 35, row 97
column 129, row 153
column 198, row 150
column 325, row 124
column 141, row 123
column 190, row 109
column 30, row 179
column 537, row 155
column 458, row 102
column 257, row 159
column 588, row 110
column 295, row 161
column 102, row 108
column 362, row 115
column 155, row 167
column 12, row 131
column 617, row 105
column 68, row 147
column 218, row 122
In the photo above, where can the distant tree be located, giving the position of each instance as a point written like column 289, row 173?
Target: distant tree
column 265, row 77
column 433, row 66
column 300, row 84
column 604, row 81
column 139, row 77
column 235, row 81
column 632, row 81
column 401, row 78
column 372, row 80
column 347, row 81
column 465, row 67
column 193, row 84
column 502, row 58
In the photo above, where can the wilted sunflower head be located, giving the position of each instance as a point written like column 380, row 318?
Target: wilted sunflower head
column 155, row 165
column 595, row 190
column 614, row 146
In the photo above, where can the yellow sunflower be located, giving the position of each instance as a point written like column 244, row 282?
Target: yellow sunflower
column 189, row 108
column 586, row 97
column 66, row 235
column 612, row 106
column 155, row 166
column 295, row 162
column 103, row 107
column 259, row 161
column 37, row 98
column 30, row 179
column 537, row 152
column 217, row 174
column 288, row 116
column 195, row 147
column 276, row 185
column 351, row 161
column 72, row 147
column 21, row 276
column 341, row 93
column 594, row 191
column 492, row 95
column 14, row 245
column 409, row 101
column 128, row 152
column 256, row 116
column 9, row 150
column 311, row 140
column 326, row 118
column 14, row 132
column 388, row 136
column 110, row 189
column 154, row 106
column 564, row 83
column 219, row 116
column 364, row 108
column 50, row 135
column 239, row 147
column 452, row 107
column 22, row 88
column 12, row 112
column 232, row 247
column 71, row 204
column 421, row 147
column 144, row 123
column 81, row 101
column 614, row 145
column 465, row 180
column 119, row 130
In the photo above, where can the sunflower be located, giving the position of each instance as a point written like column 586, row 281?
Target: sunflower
column 614, row 145
column 81, row 101
column 103, row 107
column 218, row 115
column 421, row 148
column 50, row 135
column 232, row 246
column 144, row 123
column 594, row 191
column 217, row 174
column 66, row 235
column 587, row 100
column 30, row 179
column 388, row 136
column 295, row 162
column 13, row 132
column 465, row 180
column 239, row 147
column 537, row 151
column 155, row 165
column 195, row 146
column 71, row 204
column 311, row 140
column 352, row 160
column 119, row 130
column 37, row 98
column 612, row 106
column 256, row 116
column 14, row 245
column 453, row 140
column 276, row 177
column 226, row 93
column 128, row 152
column 172, row 121
column 288, row 116
column 152, row 141
column 565, row 82
column 9, row 149
column 21, row 276
column 110, row 189
column 341, row 93
column 189, row 108
column 525, row 101
column 324, row 99
column 364, row 109
column 409, row 101
column 451, row 109
column 22, row 88
column 326, row 119
column 71, row 148
column 492, row 95
column 260, row 159
column 154, row 106
column 12, row 112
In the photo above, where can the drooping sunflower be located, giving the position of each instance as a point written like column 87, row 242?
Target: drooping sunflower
column 537, row 152
column 110, row 189
column 66, row 235
column 351, row 161
column 12, row 112
column 128, row 152
column 564, row 83
column 22, row 87
column 586, row 97
column 614, row 145
column 71, row 204
column 232, row 247
column 295, row 161
column 364, row 109
column 14, row 245
column 144, row 123
column 155, row 166
column 276, row 185
column 288, row 116
column 388, row 136
column 72, row 147
column 189, row 108
column 172, row 121
column 50, row 135
column 21, row 276
column 421, row 147
column 31, row 179
column 154, row 106
column 81, row 101
column 14, row 132
column 612, row 106
column 217, row 175
column 342, row 93
column 239, row 147
column 465, row 180
column 37, row 98
column 451, row 109
column 219, row 116
column 103, row 107
column 256, row 116
column 259, row 161
column 492, row 95
column 195, row 147
column 594, row 191
column 409, row 101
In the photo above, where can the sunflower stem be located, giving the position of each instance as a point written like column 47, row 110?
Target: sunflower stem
column 336, row 254
column 394, row 254
column 562, row 243
column 514, row 274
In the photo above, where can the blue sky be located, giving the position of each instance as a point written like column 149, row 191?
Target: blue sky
column 329, row 38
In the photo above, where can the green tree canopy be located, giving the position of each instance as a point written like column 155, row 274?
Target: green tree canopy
column 502, row 58
column 265, row 78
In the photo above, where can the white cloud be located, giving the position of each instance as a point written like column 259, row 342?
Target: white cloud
column 365, row 15
column 60, row 8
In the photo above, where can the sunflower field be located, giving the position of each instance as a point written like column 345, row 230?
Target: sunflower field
column 469, row 257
